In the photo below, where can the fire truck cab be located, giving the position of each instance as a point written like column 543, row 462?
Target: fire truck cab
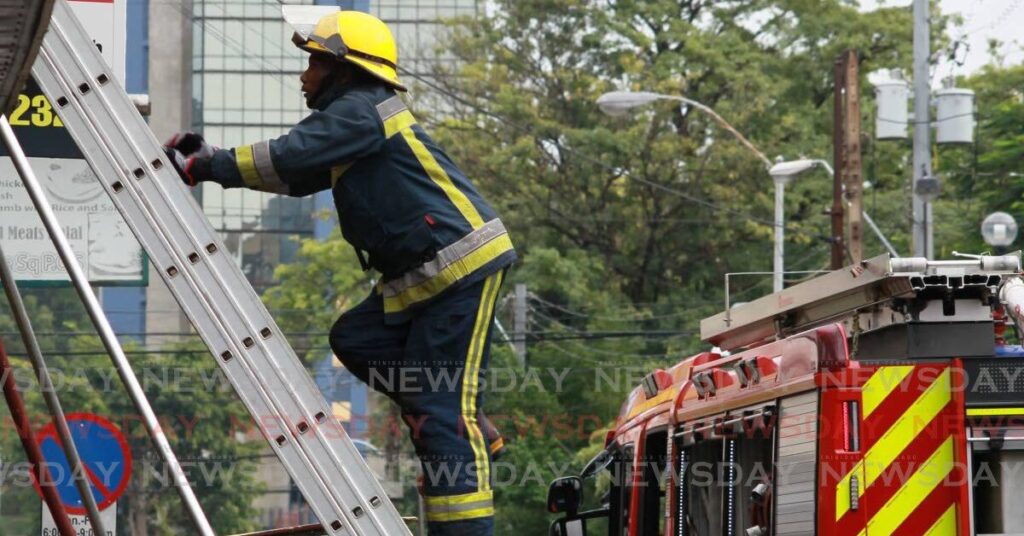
column 875, row 400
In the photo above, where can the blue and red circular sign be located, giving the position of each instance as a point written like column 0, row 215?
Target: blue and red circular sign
column 105, row 455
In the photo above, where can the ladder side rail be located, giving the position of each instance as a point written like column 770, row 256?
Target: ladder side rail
column 111, row 344
column 304, row 410
column 210, row 282
column 291, row 390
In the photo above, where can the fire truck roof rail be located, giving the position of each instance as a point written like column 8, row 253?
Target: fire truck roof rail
column 840, row 293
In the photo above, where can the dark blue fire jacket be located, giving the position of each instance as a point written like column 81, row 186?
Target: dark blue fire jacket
column 402, row 203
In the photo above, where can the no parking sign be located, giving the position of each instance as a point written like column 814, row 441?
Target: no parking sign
column 107, row 464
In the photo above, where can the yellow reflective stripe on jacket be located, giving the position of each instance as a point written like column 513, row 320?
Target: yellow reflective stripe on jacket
column 451, row 274
column 398, row 119
column 398, row 123
column 445, row 257
column 247, row 167
column 438, row 175
column 471, row 380
column 459, row 507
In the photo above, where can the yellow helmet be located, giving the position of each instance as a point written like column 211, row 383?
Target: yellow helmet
column 356, row 37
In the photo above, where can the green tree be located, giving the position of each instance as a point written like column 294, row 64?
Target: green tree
column 627, row 224
column 642, row 192
column 324, row 280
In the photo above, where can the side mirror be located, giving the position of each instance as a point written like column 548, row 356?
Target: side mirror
column 565, row 495
column 562, row 527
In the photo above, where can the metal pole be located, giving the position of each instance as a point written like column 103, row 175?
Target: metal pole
column 838, row 158
column 724, row 124
column 28, row 337
column 867, row 217
column 878, row 233
column 778, row 266
column 922, row 229
column 106, row 333
column 32, row 451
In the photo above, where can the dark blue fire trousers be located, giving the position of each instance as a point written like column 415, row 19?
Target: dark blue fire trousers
column 432, row 366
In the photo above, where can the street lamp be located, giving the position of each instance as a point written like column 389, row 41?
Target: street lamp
column 784, row 172
column 999, row 230
column 617, row 103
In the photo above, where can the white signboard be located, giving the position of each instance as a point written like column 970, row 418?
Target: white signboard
column 102, row 241
column 99, row 236
column 81, row 523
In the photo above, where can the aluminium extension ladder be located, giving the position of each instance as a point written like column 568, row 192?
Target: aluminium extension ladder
column 211, row 289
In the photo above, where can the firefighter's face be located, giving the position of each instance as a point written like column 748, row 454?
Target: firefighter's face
column 315, row 76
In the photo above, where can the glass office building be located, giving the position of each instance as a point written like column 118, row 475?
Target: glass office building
column 246, row 88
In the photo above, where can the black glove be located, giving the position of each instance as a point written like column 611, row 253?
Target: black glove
column 191, row 169
column 190, row 144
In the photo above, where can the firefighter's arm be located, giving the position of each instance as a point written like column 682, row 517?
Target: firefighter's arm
column 299, row 162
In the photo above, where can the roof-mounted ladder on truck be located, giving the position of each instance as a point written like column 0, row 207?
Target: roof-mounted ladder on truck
column 897, row 309
column 211, row 289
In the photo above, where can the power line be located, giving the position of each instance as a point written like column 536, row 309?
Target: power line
column 619, row 172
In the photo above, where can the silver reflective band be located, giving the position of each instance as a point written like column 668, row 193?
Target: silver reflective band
column 265, row 167
column 450, row 508
column 446, row 257
column 391, row 107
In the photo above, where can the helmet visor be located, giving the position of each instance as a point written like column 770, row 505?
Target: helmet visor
column 303, row 19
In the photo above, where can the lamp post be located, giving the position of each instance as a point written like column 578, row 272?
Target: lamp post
column 616, row 103
column 784, row 172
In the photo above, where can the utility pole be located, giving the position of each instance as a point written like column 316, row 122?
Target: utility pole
column 519, row 323
column 852, row 171
column 838, row 163
column 922, row 210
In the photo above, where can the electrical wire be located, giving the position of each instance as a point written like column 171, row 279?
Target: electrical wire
column 607, row 167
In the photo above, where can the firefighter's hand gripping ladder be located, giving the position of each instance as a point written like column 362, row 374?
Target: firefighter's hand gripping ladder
column 211, row 289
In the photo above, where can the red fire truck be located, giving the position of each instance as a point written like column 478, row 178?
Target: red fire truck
column 876, row 400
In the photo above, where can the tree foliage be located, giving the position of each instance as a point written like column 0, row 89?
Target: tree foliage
column 642, row 192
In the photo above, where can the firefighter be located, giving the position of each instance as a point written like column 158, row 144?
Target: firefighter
column 415, row 218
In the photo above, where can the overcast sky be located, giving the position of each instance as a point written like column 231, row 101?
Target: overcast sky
column 983, row 20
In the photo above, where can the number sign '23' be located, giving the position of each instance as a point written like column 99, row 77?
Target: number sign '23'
column 34, row 111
